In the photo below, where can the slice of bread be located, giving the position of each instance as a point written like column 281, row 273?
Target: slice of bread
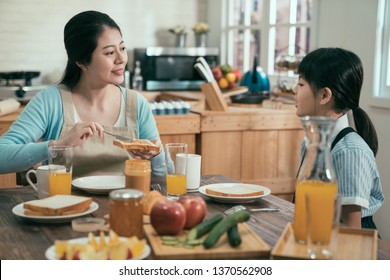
column 57, row 205
column 235, row 191
column 137, row 144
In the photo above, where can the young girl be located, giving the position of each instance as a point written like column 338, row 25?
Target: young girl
column 330, row 81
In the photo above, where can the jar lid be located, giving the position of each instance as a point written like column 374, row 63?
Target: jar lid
column 138, row 162
column 126, row 194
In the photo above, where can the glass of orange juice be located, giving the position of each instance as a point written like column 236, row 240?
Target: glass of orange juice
column 60, row 170
column 176, row 163
column 322, row 216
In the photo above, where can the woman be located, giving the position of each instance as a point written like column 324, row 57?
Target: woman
column 330, row 81
column 87, row 102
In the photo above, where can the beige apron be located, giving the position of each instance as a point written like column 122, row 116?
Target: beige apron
column 99, row 156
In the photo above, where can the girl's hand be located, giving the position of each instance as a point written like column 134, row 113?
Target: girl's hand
column 79, row 133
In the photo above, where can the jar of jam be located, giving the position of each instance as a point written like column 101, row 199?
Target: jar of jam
column 126, row 212
column 138, row 174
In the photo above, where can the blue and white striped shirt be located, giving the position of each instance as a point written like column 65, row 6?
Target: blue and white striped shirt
column 356, row 171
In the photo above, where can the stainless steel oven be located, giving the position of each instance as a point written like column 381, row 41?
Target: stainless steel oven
column 173, row 68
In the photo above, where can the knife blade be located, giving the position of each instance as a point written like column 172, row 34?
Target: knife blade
column 119, row 137
column 264, row 210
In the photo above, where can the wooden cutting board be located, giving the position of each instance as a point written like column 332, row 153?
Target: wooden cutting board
column 252, row 246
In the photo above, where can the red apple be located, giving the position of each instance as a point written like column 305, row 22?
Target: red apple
column 167, row 217
column 231, row 85
column 195, row 210
column 238, row 74
column 217, row 73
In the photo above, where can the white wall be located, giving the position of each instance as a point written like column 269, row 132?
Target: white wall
column 31, row 31
column 351, row 24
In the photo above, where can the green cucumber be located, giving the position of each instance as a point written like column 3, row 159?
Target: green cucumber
column 234, row 236
column 204, row 227
column 226, row 223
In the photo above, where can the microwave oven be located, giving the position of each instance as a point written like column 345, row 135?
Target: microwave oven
column 173, row 68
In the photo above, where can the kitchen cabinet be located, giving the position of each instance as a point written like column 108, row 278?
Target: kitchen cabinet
column 252, row 145
column 179, row 129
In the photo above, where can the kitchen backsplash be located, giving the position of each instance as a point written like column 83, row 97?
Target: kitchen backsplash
column 32, row 30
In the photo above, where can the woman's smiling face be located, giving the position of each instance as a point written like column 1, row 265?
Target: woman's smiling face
column 109, row 59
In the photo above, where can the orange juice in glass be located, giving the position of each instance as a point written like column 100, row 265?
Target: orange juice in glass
column 176, row 165
column 60, row 179
column 176, row 184
column 60, row 183
column 322, row 196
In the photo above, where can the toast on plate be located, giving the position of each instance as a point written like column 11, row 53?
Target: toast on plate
column 137, row 144
column 234, row 191
column 57, row 205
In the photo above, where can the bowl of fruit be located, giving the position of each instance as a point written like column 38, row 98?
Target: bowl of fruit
column 226, row 77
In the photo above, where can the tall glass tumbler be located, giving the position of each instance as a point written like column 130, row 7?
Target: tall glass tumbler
column 176, row 163
column 60, row 170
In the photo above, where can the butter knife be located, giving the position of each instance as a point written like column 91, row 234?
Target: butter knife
column 264, row 209
column 119, row 137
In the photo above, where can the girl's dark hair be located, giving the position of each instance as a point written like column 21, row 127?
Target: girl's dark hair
column 81, row 36
column 342, row 72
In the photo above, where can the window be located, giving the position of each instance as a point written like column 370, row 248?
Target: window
column 381, row 89
column 268, row 29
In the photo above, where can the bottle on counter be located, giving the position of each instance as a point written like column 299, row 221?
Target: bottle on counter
column 126, row 82
column 137, row 78
column 316, row 179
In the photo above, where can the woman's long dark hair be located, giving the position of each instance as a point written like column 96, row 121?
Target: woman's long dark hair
column 342, row 72
column 81, row 36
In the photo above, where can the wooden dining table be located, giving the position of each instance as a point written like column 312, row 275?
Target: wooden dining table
column 23, row 239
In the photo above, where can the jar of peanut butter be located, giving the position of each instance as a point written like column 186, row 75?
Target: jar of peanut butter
column 138, row 175
column 126, row 212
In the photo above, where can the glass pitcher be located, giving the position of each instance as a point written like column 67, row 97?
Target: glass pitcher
column 316, row 176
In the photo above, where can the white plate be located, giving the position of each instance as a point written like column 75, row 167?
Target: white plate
column 228, row 199
column 18, row 210
column 99, row 184
column 50, row 253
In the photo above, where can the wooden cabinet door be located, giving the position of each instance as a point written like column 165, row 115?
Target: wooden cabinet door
column 180, row 138
column 221, row 153
column 271, row 158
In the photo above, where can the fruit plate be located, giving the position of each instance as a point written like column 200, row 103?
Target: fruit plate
column 18, row 210
column 50, row 253
column 99, row 184
column 252, row 247
column 230, row 199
